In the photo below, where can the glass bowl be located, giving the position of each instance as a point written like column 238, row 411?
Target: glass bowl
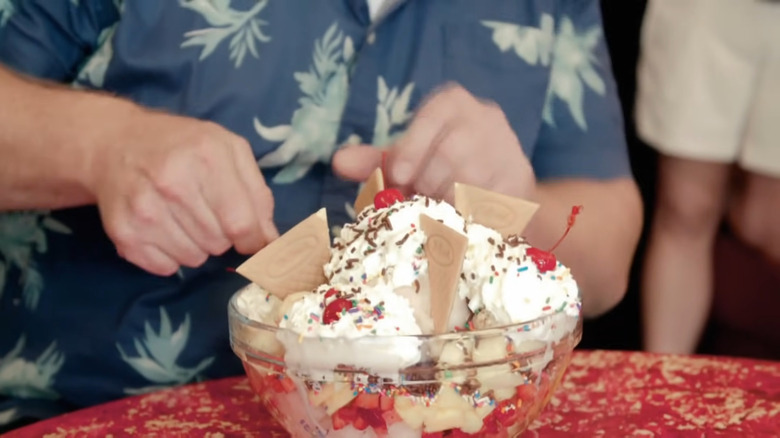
column 488, row 383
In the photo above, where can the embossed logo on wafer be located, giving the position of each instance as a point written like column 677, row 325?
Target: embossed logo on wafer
column 294, row 261
column 494, row 214
column 440, row 250
column 444, row 249
column 505, row 214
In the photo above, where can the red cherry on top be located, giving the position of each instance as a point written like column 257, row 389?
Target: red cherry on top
column 330, row 293
column 387, row 197
column 544, row 261
column 333, row 310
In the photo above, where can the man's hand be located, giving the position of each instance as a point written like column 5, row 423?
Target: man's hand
column 172, row 191
column 454, row 137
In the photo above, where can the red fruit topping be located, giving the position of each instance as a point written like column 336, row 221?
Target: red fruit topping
column 333, row 310
column 544, row 260
column 386, row 403
column 366, row 401
column 374, row 419
column 432, row 434
column 387, row 197
column 505, row 413
column 330, row 293
column 360, row 423
column 343, row 418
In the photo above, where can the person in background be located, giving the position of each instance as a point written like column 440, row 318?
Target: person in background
column 709, row 102
column 149, row 146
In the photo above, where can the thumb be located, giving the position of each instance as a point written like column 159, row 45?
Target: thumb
column 355, row 163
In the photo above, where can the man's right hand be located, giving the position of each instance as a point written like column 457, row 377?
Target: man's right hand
column 173, row 190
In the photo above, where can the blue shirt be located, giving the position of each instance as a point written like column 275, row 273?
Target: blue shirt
column 297, row 79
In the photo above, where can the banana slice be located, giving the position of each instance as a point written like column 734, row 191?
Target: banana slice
column 287, row 304
column 342, row 395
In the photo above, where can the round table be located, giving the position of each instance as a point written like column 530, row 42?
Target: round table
column 604, row 393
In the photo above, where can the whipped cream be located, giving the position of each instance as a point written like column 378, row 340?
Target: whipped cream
column 379, row 271
column 369, row 335
column 503, row 280
column 386, row 245
column 257, row 304
column 377, row 311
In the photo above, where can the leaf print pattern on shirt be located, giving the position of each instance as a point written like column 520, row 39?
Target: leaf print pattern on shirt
column 311, row 135
column 24, row 379
column 21, row 235
column 244, row 27
column 392, row 112
column 573, row 66
column 533, row 45
column 94, row 70
column 7, row 416
column 570, row 54
column 6, row 10
column 392, row 115
column 158, row 353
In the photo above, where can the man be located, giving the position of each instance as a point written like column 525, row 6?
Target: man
column 128, row 297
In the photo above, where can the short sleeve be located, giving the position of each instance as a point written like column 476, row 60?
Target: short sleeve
column 52, row 38
column 582, row 135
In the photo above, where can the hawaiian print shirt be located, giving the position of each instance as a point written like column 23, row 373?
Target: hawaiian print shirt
column 297, row 79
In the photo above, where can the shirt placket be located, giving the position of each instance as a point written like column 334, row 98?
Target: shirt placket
column 360, row 110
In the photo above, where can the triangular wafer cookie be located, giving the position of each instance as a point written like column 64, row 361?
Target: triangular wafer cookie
column 444, row 249
column 373, row 185
column 293, row 262
column 505, row 214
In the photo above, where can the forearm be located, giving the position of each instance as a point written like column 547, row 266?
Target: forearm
column 47, row 136
column 600, row 247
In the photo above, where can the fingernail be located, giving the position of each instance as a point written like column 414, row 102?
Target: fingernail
column 402, row 173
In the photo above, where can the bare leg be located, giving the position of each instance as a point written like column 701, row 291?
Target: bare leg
column 754, row 214
column 677, row 281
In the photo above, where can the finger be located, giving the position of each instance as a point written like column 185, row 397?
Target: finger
column 230, row 200
column 193, row 215
column 261, row 198
column 454, row 159
column 168, row 236
column 356, row 163
column 409, row 155
column 200, row 224
column 142, row 219
column 435, row 178
column 151, row 259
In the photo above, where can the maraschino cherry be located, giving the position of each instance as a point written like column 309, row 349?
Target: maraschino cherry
column 545, row 260
column 332, row 291
column 333, row 311
column 386, row 197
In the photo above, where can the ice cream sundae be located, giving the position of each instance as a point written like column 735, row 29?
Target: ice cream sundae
column 419, row 320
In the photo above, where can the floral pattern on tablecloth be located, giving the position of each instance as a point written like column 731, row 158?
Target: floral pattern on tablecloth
column 611, row 394
column 638, row 394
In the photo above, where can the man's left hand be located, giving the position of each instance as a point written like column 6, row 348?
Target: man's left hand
column 454, row 137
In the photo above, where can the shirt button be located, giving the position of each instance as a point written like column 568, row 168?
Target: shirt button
column 371, row 38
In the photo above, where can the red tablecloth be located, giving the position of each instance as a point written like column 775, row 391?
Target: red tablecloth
column 610, row 394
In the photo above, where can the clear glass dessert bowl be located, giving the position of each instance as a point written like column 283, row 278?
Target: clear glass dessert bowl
column 488, row 383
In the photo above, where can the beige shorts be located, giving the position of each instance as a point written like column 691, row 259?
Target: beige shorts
column 709, row 81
